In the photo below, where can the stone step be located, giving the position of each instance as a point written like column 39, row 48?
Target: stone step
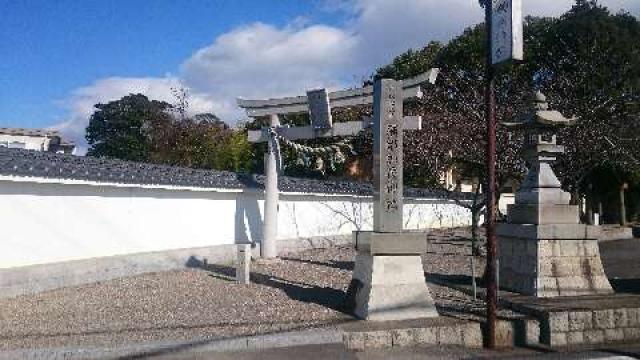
column 441, row 330
column 579, row 320
column 615, row 232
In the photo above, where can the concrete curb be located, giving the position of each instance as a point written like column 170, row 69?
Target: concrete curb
column 247, row 343
column 357, row 336
column 612, row 233
column 452, row 332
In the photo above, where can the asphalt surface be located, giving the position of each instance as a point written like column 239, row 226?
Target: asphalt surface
column 317, row 352
column 621, row 261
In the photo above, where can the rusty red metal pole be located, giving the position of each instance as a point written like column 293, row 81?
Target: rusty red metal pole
column 490, row 194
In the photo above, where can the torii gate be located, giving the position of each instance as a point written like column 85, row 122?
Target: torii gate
column 318, row 104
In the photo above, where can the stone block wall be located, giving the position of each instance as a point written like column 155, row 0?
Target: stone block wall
column 466, row 334
column 556, row 267
column 565, row 328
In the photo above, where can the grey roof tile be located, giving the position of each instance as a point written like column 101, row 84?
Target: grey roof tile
column 28, row 132
column 29, row 163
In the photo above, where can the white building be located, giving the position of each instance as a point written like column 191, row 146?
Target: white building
column 35, row 139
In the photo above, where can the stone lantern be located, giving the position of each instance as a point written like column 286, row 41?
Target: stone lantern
column 541, row 188
column 544, row 250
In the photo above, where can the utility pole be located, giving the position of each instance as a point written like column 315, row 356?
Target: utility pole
column 490, row 197
column 504, row 42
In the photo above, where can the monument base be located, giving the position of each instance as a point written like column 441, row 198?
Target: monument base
column 595, row 319
column 551, row 260
column 390, row 287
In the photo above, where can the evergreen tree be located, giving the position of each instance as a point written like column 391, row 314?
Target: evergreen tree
column 119, row 129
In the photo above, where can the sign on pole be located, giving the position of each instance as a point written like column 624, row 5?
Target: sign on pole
column 506, row 31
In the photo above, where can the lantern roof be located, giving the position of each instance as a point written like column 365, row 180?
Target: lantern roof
column 539, row 115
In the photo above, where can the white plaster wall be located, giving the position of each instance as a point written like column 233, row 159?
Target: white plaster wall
column 306, row 216
column 49, row 221
column 44, row 223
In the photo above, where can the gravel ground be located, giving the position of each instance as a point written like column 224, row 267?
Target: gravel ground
column 299, row 291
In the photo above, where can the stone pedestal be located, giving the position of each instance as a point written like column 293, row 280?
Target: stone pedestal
column 388, row 279
column 544, row 250
column 551, row 260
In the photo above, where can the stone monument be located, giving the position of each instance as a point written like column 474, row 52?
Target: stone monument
column 544, row 250
column 388, row 279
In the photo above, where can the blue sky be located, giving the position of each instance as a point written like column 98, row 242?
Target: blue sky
column 60, row 57
column 51, row 47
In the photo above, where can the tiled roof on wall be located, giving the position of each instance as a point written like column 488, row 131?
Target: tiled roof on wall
column 29, row 163
column 28, row 132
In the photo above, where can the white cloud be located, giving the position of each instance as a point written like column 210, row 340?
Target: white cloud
column 386, row 28
column 261, row 60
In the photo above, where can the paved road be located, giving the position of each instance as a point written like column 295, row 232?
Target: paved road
column 337, row 352
column 621, row 260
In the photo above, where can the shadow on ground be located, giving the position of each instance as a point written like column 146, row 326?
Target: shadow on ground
column 309, row 293
column 630, row 286
column 620, row 262
column 342, row 265
column 449, row 279
column 451, row 307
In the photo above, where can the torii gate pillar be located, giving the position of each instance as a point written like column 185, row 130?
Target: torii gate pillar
column 268, row 248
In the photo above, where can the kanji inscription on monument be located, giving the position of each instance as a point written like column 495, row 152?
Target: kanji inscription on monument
column 387, row 159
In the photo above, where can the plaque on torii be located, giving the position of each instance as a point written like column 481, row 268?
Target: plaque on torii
column 318, row 103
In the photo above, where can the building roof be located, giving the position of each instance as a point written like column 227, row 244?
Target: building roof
column 29, row 163
column 29, row 132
